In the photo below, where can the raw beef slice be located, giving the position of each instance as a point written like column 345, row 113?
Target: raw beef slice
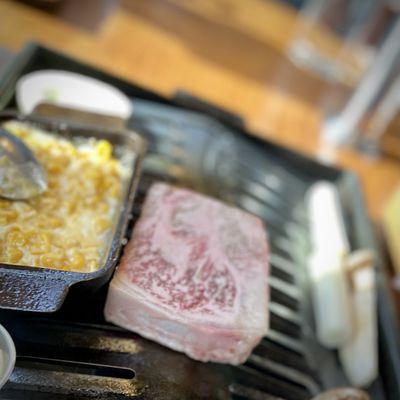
column 193, row 277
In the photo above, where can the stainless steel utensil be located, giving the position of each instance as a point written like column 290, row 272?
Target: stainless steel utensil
column 21, row 175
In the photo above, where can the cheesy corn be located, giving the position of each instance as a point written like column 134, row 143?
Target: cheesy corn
column 69, row 226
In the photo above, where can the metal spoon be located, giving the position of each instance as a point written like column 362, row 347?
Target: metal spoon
column 21, row 175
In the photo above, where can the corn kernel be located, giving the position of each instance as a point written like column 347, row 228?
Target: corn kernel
column 77, row 261
column 14, row 255
column 38, row 249
column 50, row 223
column 92, row 265
column 39, row 238
column 46, row 261
column 52, row 260
column 16, row 238
column 22, row 133
column 39, row 243
column 104, row 150
column 103, row 207
column 54, row 168
column 5, row 203
column 71, row 207
column 63, row 160
column 102, row 224
column 114, row 190
column 7, row 216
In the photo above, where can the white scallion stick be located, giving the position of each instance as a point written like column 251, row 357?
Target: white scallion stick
column 329, row 283
column 359, row 355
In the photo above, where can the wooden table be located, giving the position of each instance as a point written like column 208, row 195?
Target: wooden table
column 229, row 52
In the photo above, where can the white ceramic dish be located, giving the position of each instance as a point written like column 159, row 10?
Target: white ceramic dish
column 7, row 356
column 71, row 90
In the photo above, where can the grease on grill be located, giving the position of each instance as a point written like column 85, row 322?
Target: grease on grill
column 61, row 382
column 107, row 343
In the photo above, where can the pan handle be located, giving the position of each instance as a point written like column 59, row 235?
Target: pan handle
column 33, row 289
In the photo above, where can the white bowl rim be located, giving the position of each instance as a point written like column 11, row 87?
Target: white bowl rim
column 78, row 77
column 11, row 353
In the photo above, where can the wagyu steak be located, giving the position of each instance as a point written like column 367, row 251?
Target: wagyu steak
column 193, row 277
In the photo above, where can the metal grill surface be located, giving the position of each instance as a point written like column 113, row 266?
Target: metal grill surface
column 76, row 355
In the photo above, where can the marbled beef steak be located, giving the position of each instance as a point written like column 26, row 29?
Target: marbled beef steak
column 193, row 277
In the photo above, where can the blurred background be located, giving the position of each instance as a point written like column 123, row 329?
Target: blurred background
column 318, row 76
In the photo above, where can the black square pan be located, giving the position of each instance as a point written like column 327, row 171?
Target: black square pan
column 26, row 288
